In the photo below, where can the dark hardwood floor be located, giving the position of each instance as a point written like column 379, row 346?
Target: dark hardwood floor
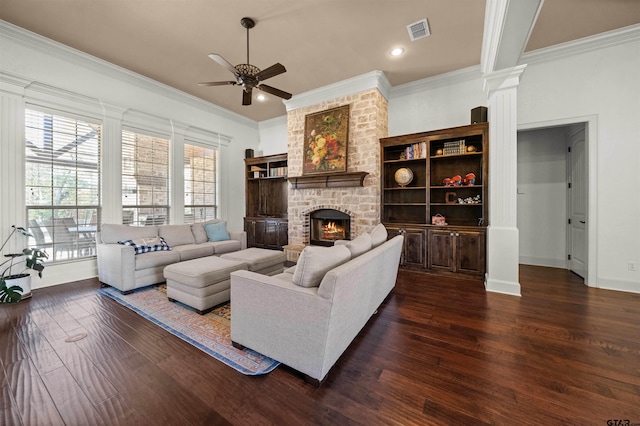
column 439, row 351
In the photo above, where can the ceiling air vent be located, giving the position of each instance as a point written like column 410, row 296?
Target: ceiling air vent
column 418, row 30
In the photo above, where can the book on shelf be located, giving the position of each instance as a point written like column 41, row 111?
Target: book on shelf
column 454, row 147
column 416, row 151
column 278, row 171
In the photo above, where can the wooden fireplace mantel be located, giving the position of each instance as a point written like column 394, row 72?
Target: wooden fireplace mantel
column 328, row 180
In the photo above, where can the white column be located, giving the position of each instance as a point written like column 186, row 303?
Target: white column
column 502, row 233
column 12, row 179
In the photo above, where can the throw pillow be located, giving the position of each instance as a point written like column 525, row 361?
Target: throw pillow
column 315, row 261
column 378, row 235
column 360, row 245
column 146, row 245
column 177, row 235
column 199, row 233
column 217, row 231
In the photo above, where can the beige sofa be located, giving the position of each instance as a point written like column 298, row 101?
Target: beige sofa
column 307, row 316
column 120, row 267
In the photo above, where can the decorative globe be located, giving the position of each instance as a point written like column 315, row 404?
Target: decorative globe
column 403, row 176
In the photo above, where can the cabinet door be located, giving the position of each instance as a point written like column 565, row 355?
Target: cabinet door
column 470, row 252
column 271, row 234
column 415, row 248
column 441, row 249
column 250, row 229
column 283, row 234
column 259, row 231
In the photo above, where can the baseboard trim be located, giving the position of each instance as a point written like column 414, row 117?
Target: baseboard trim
column 503, row 287
column 543, row 261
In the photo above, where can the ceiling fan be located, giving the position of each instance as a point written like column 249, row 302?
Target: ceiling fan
column 249, row 76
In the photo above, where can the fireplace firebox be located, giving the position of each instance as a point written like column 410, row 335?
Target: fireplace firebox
column 327, row 226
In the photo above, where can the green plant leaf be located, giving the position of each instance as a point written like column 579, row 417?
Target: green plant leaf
column 11, row 294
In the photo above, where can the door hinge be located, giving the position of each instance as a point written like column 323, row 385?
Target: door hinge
column 569, row 257
column 569, row 149
column 569, row 221
column 569, row 185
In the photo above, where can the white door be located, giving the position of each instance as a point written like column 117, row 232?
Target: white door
column 577, row 209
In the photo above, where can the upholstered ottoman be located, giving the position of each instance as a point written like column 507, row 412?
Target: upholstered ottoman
column 201, row 283
column 262, row 261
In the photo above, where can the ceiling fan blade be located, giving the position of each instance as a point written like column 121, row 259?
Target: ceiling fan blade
column 218, row 83
column 246, row 96
column 222, row 61
column 277, row 92
column 272, row 71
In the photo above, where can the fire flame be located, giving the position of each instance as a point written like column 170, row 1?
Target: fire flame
column 333, row 231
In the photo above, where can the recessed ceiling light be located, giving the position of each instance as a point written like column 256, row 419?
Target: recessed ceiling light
column 261, row 97
column 397, row 51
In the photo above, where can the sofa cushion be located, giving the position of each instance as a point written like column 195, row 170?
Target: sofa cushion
column 361, row 244
column 194, row 251
column 155, row 259
column 217, row 231
column 146, row 245
column 176, row 235
column 378, row 235
column 200, row 235
column 315, row 261
column 227, row 246
column 111, row 233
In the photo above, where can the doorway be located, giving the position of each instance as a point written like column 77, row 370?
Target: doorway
column 553, row 190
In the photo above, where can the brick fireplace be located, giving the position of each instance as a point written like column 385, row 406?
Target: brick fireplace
column 368, row 123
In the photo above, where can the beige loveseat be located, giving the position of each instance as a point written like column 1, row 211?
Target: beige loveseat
column 307, row 316
column 120, row 267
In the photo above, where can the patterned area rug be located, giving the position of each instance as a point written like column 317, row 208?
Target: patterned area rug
column 210, row 333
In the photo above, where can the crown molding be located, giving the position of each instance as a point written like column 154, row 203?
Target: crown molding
column 442, row 80
column 604, row 40
column 47, row 46
column 371, row 80
column 47, row 96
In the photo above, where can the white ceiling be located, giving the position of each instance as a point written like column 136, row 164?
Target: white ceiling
column 319, row 41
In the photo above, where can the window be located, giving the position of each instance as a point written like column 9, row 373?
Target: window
column 145, row 179
column 199, row 184
column 62, row 175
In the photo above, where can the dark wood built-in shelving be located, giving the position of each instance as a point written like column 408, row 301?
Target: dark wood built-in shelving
column 266, row 190
column 458, row 247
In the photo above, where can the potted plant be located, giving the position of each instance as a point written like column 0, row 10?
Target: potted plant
column 15, row 286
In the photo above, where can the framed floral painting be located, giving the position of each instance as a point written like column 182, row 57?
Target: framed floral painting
column 326, row 136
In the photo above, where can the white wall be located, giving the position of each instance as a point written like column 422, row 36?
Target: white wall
column 435, row 103
column 34, row 67
column 542, row 197
column 273, row 136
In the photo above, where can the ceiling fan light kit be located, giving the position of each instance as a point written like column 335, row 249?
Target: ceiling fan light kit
column 249, row 76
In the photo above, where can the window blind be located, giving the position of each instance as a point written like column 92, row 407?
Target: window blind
column 200, row 196
column 145, row 179
column 62, row 175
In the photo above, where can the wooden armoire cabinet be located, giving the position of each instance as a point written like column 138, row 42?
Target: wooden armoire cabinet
column 438, row 175
column 266, row 201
